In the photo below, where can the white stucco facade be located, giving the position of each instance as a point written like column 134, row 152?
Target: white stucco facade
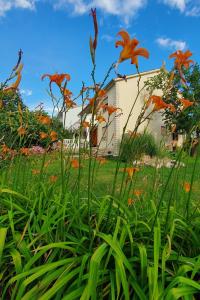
column 71, row 119
column 122, row 93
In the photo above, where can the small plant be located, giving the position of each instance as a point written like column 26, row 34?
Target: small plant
column 134, row 147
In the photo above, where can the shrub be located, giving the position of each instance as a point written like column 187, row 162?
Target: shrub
column 134, row 147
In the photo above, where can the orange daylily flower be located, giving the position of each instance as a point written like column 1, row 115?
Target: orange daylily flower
column 110, row 108
column 35, row 171
column 53, row 178
column 171, row 107
column 53, row 136
column 101, row 93
column 186, row 103
column 5, row 149
column 187, row 187
column 137, row 192
column 25, row 151
column 75, row 163
column 43, row 135
column 182, row 59
column 21, row 131
column 85, row 124
column 45, row 120
column 130, row 202
column 158, row 103
column 57, row 78
column 129, row 48
column 69, row 103
column 100, row 119
column 91, row 101
column 101, row 160
column 66, row 92
column 15, row 85
column 131, row 171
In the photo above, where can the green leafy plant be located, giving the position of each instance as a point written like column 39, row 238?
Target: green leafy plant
column 134, row 147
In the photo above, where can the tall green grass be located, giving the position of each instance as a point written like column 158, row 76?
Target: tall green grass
column 48, row 250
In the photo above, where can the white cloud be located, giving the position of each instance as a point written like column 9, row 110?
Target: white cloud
column 26, row 92
column 107, row 38
column 171, row 44
column 124, row 9
column 188, row 7
column 193, row 10
column 179, row 4
column 6, row 5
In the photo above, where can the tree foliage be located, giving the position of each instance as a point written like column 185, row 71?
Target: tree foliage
column 173, row 89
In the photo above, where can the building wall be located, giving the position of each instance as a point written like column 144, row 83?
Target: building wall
column 71, row 117
column 122, row 94
column 107, row 141
column 127, row 92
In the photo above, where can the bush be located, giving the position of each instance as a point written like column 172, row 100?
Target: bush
column 13, row 113
column 134, row 147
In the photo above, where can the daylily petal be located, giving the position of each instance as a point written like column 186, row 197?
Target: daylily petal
column 119, row 43
column 125, row 36
column 134, row 43
column 142, row 52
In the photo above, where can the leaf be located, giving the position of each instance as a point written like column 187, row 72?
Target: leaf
column 3, row 232
column 61, row 282
column 183, row 282
column 119, row 267
column 90, row 289
column 143, row 263
column 115, row 246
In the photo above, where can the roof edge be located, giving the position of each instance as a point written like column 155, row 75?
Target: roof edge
column 112, row 81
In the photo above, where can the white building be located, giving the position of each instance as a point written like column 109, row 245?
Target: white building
column 71, row 119
column 122, row 93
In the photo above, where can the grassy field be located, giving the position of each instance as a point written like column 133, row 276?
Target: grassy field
column 59, row 243
column 147, row 179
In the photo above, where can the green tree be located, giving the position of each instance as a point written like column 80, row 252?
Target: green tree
column 173, row 89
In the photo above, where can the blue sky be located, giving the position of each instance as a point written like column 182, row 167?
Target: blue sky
column 54, row 36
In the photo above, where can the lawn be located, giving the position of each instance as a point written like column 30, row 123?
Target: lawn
column 147, row 179
column 59, row 242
